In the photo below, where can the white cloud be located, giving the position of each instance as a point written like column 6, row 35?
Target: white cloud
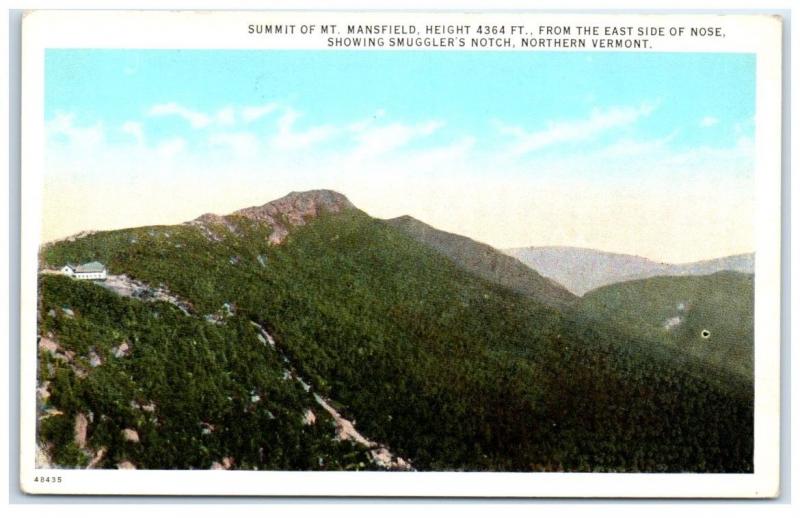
column 288, row 138
column 242, row 144
column 226, row 116
column 628, row 147
column 639, row 196
column 363, row 124
column 708, row 121
column 171, row 147
column 135, row 129
column 558, row 132
column 377, row 141
column 78, row 137
column 195, row 119
column 253, row 113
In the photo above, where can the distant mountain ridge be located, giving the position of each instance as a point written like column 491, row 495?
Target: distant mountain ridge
column 486, row 262
column 582, row 270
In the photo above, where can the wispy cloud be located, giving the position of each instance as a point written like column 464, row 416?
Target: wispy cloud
column 708, row 121
column 171, row 147
column 374, row 141
column 226, row 116
column 557, row 132
column 134, row 129
column 241, row 144
column 362, row 124
column 253, row 113
column 629, row 147
column 194, row 118
column 288, row 138
column 79, row 137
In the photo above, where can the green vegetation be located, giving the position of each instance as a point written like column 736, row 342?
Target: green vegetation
column 200, row 379
column 449, row 370
column 708, row 317
column 486, row 262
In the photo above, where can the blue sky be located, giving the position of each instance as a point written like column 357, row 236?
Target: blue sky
column 466, row 89
column 446, row 121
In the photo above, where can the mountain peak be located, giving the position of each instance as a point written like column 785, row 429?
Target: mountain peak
column 297, row 206
column 295, row 209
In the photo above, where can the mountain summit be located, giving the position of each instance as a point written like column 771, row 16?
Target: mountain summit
column 293, row 210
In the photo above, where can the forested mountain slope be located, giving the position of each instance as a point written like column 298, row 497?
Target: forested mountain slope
column 448, row 370
column 486, row 262
column 709, row 317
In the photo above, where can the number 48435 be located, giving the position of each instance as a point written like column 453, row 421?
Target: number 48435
column 46, row 480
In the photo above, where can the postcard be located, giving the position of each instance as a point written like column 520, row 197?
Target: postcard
column 400, row 254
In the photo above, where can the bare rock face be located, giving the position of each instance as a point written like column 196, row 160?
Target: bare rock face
column 46, row 344
column 121, row 350
column 227, row 463
column 43, row 459
column 98, row 457
column 294, row 209
column 94, row 359
column 43, row 392
column 81, row 425
column 212, row 218
column 130, row 434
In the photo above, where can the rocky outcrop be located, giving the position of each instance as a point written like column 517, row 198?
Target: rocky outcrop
column 128, row 287
column 131, row 435
column 81, row 425
column 380, row 455
column 227, row 463
column 294, row 209
column 43, row 459
column 98, row 457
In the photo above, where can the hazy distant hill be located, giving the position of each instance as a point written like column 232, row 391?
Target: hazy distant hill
column 486, row 262
column 582, row 269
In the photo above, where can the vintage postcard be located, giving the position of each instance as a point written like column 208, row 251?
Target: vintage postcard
column 401, row 254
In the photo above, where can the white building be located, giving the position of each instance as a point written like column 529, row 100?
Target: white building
column 93, row 270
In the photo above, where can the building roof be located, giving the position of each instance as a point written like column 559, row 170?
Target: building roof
column 93, row 267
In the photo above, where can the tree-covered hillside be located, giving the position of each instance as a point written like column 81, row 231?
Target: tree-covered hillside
column 447, row 369
column 487, row 262
column 195, row 392
column 709, row 317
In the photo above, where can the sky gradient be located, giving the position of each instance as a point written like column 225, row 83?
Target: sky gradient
column 643, row 153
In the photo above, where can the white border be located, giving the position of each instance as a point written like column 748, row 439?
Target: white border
column 136, row 29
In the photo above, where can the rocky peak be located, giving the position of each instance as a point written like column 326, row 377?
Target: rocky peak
column 294, row 209
column 298, row 207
